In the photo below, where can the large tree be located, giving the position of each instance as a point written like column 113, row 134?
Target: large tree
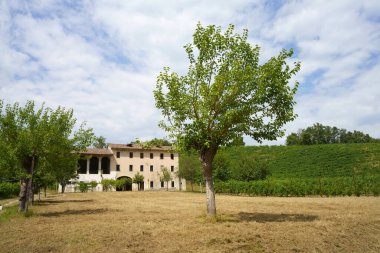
column 226, row 93
column 100, row 142
column 39, row 142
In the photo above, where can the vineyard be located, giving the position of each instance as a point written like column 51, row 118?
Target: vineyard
column 314, row 161
column 324, row 170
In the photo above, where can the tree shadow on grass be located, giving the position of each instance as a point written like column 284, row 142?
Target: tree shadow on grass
column 55, row 202
column 269, row 217
column 75, row 212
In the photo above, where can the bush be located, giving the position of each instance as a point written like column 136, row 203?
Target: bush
column 108, row 184
column 252, row 169
column 83, row 187
column 93, row 185
column 120, row 183
column 9, row 190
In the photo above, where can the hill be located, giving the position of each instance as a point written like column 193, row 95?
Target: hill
column 313, row 161
column 325, row 170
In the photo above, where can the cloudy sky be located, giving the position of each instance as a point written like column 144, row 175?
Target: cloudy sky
column 101, row 58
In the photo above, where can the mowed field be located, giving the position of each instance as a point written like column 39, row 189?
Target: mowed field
column 176, row 222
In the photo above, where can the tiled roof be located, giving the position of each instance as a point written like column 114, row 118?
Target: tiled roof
column 97, row 151
column 139, row 147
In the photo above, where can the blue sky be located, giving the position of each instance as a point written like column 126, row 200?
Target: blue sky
column 101, row 58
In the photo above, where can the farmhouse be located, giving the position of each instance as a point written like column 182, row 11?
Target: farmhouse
column 119, row 161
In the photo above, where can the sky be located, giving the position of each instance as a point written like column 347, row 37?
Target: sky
column 102, row 58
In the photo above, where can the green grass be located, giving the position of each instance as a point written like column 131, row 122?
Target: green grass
column 11, row 212
column 8, row 213
column 314, row 161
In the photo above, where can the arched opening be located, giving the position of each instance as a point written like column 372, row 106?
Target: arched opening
column 94, row 165
column 82, row 163
column 126, row 185
column 105, row 165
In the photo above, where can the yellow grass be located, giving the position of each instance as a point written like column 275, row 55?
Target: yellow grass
column 175, row 222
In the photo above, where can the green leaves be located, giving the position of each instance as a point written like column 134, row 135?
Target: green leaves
column 43, row 133
column 226, row 92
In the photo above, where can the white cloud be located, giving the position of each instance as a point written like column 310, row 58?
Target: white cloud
column 102, row 58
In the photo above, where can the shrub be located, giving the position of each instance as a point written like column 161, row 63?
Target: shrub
column 108, row 184
column 252, row 169
column 83, row 187
column 9, row 190
column 93, row 185
column 120, row 183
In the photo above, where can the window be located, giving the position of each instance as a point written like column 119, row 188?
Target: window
column 130, row 154
column 141, row 167
column 161, row 156
column 117, row 154
column 172, row 156
column 172, row 184
column 141, row 155
column 151, row 184
column 151, row 155
column 117, row 167
column 151, row 168
column 130, row 167
column 172, row 168
column 162, row 184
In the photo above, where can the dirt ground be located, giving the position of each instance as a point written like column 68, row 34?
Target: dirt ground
column 175, row 222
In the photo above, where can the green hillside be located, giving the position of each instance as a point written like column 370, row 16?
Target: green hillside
column 314, row 161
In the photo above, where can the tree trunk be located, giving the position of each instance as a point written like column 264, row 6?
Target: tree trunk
column 192, row 186
column 30, row 192
column 26, row 185
column 63, row 186
column 23, row 194
column 167, row 186
column 45, row 191
column 39, row 193
column 206, row 158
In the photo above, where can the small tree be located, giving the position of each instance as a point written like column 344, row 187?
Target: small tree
column 190, row 169
column 138, row 179
column 121, row 183
column 108, row 184
column 252, row 169
column 165, row 176
column 221, row 168
column 226, row 93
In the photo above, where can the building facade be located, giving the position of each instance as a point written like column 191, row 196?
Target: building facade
column 124, row 161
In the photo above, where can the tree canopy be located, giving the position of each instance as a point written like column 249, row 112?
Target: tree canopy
column 165, row 176
column 225, row 94
column 320, row 134
column 100, row 142
column 39, row 142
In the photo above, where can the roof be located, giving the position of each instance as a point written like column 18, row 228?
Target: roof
column 97, row 151
column 140, row 147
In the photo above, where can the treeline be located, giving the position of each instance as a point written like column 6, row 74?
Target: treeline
column 320, row 134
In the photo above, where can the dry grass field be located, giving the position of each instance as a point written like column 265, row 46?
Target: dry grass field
column 175, row 222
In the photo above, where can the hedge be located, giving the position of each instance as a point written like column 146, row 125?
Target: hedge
column 9, row 190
